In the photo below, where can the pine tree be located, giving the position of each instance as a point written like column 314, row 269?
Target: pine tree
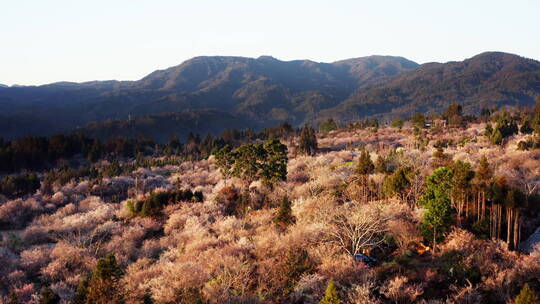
column 331, row 295
column 365, row 165
column 308, row 140
column 436, row 199
column 381, row 165
column 328, row 125
column 496, row 137
column 481, row 180
column 397, row 183
column 225, row 161
column 527, row 296
column 274, row 167
column 284, row 216
column 82, row 291
column 462, row 176
column 103, row 285
column 536, row 117
column 526, row 126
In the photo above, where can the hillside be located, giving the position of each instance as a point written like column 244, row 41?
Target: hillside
column 486, row 80
column 266, row 91
column 381, row 215
column 161, row 127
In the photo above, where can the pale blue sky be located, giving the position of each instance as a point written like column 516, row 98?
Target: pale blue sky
column 44, row 41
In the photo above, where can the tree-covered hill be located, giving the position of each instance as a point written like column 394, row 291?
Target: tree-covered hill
column 486, row 80
column 265, row 91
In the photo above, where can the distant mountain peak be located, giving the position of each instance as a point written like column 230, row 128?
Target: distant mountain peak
column 266, row 57
column 267, row 90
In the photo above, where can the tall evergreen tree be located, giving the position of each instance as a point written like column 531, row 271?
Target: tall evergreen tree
column 365, row 166
column 308, row 140
column 436, row 199
column 103, row 287
column 284, row 216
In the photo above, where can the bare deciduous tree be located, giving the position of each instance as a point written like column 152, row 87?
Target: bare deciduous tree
column 355, row 228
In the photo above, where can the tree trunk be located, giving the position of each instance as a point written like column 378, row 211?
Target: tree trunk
column 483, row 205
column 434, row 239
column 516, row 230
column 499, row 221
column 508, row 226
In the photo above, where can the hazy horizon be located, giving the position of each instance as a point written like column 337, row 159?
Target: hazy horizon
column 126, row 40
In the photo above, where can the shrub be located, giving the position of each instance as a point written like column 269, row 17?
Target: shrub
column 331, row 295
column 284, row 215
column 156, row 201
column 527, row 296
column 103, row 286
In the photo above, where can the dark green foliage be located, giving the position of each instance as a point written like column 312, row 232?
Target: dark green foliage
column 481, row 228
column 397, row 183
column 436, row 199
column 225, row 160
column 282, row 131
column 275, row 162
column 112, row 170
column 284, row 216
column 18, row 185
column 454, row 267
column 462, row 176
column 328, row 125
column 381, row 165
column 485, row 113
column 154, row 203
column 483, row 171
column 536, row 117
column 308, row 140
column 103, row 286
column 365, row 165
column 295, row 263
column 173, row 147
column 503, row 194
column 418, row 120
column 36, row 153
column 147, row 299
column 505, row 126
column 82, row 291
column 48, row 296
column 331, row 295
column 527, row 296
column 526, row 125
column 248, row 162
column 397, row 123
column 267, row 162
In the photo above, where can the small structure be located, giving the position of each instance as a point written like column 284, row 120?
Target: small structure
column 528, row 245
column 364, row 259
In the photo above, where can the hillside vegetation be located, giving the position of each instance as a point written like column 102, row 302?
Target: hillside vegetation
column 428, row 210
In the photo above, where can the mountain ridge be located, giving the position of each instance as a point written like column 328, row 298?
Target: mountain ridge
column 267, row 91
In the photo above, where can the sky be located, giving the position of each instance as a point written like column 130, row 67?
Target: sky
column 79, row 40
